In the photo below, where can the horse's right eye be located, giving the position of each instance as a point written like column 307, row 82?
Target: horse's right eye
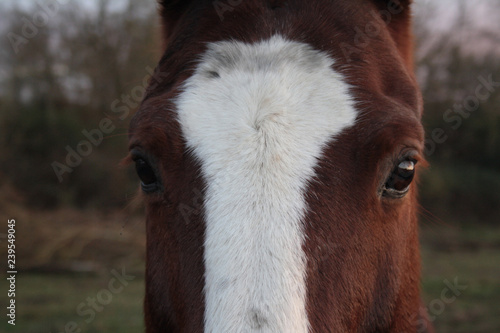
column 398, row 183
column 147, row 175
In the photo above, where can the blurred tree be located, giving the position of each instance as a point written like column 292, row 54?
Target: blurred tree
column 62, row 82
column 463, row 182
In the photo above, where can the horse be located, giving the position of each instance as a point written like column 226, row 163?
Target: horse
column 277, row 148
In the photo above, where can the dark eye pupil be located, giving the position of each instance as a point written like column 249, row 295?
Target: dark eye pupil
column 145, row 172
column 402, row 176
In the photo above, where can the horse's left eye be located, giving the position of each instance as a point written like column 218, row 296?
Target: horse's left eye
column 149, row 182
column 398, row 183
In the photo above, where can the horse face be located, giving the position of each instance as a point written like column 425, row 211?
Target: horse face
column 276, row 147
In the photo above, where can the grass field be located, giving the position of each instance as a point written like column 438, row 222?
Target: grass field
column 53, row 300
column 49, row 303
column 471, row 255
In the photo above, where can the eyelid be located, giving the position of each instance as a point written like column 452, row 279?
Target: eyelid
column 410, row 153
column 136, row 154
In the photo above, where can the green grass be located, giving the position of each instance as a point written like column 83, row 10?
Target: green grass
column 472, row 256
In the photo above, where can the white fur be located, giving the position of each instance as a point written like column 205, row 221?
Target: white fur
column 258, row 128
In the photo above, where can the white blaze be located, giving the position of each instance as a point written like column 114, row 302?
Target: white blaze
column 257, row 117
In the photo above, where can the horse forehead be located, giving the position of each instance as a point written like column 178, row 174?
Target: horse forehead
column 370, row 63
column 287, row 85
column 253, row 57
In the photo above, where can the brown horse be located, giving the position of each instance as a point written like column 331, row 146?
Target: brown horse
column 276, row 156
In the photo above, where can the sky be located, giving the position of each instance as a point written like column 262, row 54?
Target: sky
column 442, row 13
column 90, row 4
